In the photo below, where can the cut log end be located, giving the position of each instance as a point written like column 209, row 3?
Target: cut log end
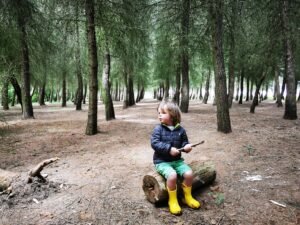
column 153, row 190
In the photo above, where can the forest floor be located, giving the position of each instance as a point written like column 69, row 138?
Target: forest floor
column 98, row 179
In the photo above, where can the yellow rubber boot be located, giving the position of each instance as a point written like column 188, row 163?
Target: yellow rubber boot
column 188, row 198
column 173, row 202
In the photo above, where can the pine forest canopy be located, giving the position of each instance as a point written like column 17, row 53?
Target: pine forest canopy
column 60, row 51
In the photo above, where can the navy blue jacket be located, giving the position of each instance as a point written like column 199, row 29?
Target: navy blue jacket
column 163, row 139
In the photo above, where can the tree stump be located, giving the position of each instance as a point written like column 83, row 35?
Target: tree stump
column 154, row 185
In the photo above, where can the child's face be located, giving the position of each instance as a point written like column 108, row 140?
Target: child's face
column 164, row 117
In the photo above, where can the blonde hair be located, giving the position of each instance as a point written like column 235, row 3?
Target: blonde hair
column 171, row 108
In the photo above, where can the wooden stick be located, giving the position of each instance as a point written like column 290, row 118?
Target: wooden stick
column 277, row 203
column 193, row 145
column 36, row 172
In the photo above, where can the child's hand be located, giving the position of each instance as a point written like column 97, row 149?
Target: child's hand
column 174, row 151
column 188, row 148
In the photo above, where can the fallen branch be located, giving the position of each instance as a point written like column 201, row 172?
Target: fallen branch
column 277, row 203
column 36, row 172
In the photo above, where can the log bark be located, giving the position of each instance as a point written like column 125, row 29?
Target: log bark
column 154, row 185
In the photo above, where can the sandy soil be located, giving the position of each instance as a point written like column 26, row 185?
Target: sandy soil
column 98, row 179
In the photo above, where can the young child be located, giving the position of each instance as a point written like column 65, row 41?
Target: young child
column 166, row 139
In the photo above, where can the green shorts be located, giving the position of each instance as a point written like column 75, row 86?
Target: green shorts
column 166, row 168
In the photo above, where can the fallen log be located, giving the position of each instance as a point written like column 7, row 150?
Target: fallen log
column 154, row 185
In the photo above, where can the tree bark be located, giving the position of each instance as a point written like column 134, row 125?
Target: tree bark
column 107, row 99
column 232, row 54
column 251, row 90
column 5, row 98
column 184, row 104
column 237, row 88
column 167, row 88
column 274, row 86
column 290, row 111
column 84, row 93
column 247, row 88
column 64, row 89
column 255, row 100
column 91, row 127
column 126, row 91
column 116, row 95
column 13, row 98
column 26, row 97
column 207, row 84
column 223, row 118
column 283, row 86
column 17, row 88
column 200, row 91
column 154, row 185
column 79, row 92
column 42, row 92
column 242, row 86
column 131, row 91
column 267, row 90
column 177, row 89
column 277, row 94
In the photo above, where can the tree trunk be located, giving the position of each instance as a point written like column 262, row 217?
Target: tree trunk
column 154, row 185
column 255, row 100
column 42, row 92
column 223, row 118
column 207, row 83
column 5, row 98
column 116, row 95
column 91, row 127
column 167, row 88
column 177, row 90
column 242, row 86
column 275, row 88
column 26, row 97
column 126, row 91
column 200, row 91
column 51, row 94
column 13, row 98
column 283, row 86
column 160, row 92
column 184, row 104
column 251, row 90
column 278, row 94
column 84, row 93
column 79, row 92
column 232, row 54
column 290, row 111
column 17, row 88
column 109, row 107
column 247, row 88
column 138, row 91
column 237, row 88
column 64, row 89
column 141, row 91
column 267, row 90
column 131, row 91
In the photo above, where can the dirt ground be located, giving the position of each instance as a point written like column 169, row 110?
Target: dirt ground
column 98, row 179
